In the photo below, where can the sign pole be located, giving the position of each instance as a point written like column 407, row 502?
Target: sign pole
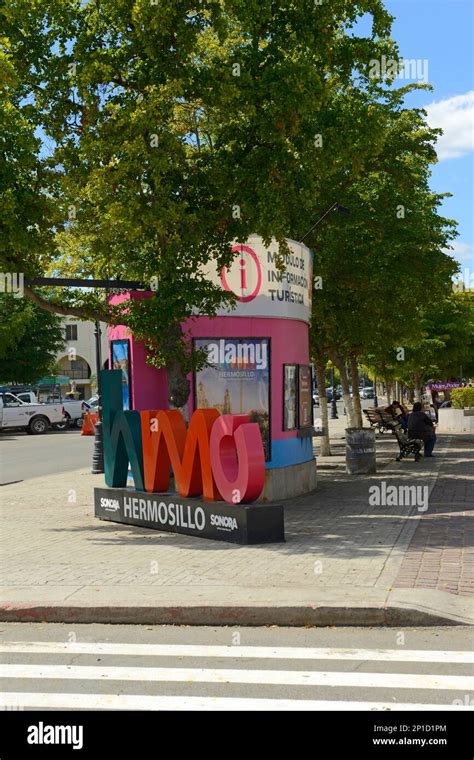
column 98, row 455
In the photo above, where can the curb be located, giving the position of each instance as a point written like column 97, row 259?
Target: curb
column 220, row 615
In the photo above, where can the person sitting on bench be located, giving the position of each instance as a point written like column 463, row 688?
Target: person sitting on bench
column 399, row 413
column 421, row 426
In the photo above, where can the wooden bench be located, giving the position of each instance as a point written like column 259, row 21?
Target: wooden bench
column 382, row 420
column 406, row 445
column 378, row 419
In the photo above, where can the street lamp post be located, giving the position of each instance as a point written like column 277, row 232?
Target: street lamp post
column 376, row 401
column 98, row 454
column 336, row 207
column 334, row 414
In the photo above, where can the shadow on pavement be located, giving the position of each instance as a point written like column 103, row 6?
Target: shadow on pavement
column 337, row 521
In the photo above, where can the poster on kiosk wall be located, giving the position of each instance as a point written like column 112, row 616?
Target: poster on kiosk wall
column 120, row 351
column 236, row 380
column 305, row 396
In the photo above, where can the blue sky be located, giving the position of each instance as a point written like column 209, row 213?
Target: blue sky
column 442, row 32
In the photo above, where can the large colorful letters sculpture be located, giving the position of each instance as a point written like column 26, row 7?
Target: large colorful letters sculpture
column 219, row 456
column 167, row 443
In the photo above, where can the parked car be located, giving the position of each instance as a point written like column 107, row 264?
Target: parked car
column 28, row 398
column 367, row 392
column 34, row 418
column 73, row 411
column 91, row 404
column 329, row 394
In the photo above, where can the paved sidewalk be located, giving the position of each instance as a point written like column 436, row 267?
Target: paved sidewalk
column 344, row 562
column 441, row 552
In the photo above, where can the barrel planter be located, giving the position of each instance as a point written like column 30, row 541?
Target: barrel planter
column 360, row 451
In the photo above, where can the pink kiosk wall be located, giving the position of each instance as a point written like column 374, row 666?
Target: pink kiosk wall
column 289, row 345
column 291, row 470
column 149, row 386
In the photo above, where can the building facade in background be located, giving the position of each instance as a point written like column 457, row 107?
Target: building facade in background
column 76, row 362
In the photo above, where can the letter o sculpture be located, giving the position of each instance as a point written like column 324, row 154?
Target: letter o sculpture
column 238, row 459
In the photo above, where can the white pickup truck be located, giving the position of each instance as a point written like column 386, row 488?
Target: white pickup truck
column 34, row 418
column 73, row 410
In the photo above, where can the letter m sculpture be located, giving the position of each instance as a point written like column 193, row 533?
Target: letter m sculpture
column 122, row 434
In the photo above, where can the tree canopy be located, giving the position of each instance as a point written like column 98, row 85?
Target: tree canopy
column 30, row 338
column 141, row 138
column 171, row 129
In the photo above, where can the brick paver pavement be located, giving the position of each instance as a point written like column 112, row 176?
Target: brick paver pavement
column 338, row 545
column 441, row 553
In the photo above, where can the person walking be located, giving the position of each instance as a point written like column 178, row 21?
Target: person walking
column 420, row 425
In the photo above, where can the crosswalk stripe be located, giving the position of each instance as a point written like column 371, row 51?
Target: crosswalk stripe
column 15, row 700
column 210, row 675
column 237, row 652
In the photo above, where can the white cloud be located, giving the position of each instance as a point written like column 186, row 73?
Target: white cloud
column 455, row 116
column 463, row 254
column 461, row 251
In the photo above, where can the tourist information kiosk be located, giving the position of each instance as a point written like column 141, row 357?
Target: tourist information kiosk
column 258, row 361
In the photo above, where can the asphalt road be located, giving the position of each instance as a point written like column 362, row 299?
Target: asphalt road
column 24, row 456
column 91, row 667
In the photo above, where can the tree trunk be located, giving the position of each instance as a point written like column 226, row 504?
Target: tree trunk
column 320, row 368
column 179, row 386
column 355, row 390
column 388, row 386
column 417, row 394
column 341, row 365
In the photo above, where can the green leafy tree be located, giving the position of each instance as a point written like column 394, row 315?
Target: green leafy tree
column 30, row 338
column 176, row 128
column 441, row 348
column 27, row 211
column 383, row 265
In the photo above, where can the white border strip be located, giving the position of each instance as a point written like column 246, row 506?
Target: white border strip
column 223, row 676
column 17, row 701
column 236, row 652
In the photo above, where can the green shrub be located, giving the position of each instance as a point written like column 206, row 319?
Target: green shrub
column 462, row 397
